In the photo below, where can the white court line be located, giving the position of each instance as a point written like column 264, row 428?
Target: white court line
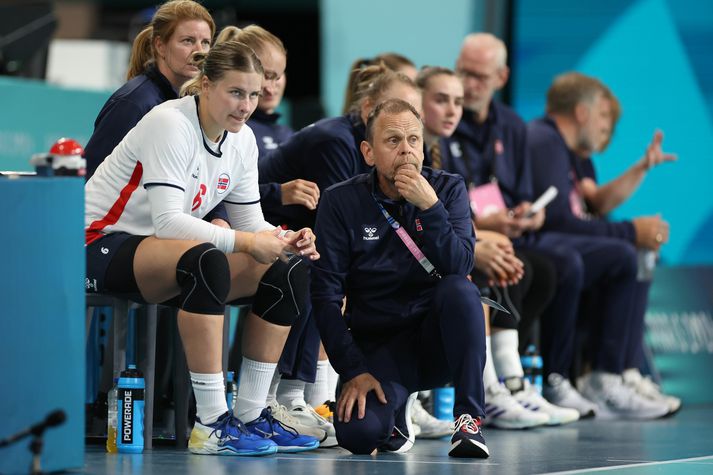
column 375, row 460
column 631, row 465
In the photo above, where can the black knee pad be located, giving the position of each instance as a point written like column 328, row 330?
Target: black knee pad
column 282, row 293
column 203, row 274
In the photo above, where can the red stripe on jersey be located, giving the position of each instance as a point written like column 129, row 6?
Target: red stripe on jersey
column 92, row 233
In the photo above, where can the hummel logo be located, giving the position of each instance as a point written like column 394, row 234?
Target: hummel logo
column 267, row 435
column 369, row 234
column 105, row 251
column 194, row 176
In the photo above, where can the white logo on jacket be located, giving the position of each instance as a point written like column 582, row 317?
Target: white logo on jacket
column 369, row 233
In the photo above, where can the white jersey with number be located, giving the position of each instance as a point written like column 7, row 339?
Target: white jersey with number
column 166, row 152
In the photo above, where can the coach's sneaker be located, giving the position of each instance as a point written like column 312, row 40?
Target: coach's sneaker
column 645, row 387
column 228, row 436
column 558, row 390
column 430, row 427
column 530, row 399
column 286, row 437
column 403, row 435
column 287, row 418
column 467, row 439
column 503, row 411
column 308, row 417
column 616, row 400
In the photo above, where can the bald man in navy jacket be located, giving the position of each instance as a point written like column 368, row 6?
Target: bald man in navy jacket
column 407, row 326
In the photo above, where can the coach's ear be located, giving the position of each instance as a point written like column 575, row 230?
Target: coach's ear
column 368, row 152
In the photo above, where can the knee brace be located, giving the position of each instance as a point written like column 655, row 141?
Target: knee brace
column 282, row 293
column 203, row 274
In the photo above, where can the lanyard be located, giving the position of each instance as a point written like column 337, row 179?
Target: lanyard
column 421, row 258
column 412, row 246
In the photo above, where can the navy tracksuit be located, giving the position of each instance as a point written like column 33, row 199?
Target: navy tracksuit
column 269, row 135
column 499, row 148
column 410, row 330
column 554, row 164
column 326, row 152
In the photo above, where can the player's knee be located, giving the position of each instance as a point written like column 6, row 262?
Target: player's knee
column 282, row 293
column 203, row 274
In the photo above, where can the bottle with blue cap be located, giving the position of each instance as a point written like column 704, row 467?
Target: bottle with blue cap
column 231, row 390
column 532, row 367
column 130, row 404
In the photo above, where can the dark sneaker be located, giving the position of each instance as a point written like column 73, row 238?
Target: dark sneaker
column 286, row 437
column 468, row 440
column 403, row 435
column 227, row 436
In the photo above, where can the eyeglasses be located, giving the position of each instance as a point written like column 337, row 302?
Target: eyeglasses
column 271, row 76
column 484, row 78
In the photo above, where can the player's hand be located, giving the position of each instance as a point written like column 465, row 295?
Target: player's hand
column 300, row 192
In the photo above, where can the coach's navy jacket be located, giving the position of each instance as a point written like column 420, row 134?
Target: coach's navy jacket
column 269, row 135
column 497, row 147
column 554, row 164
column 363, row 258
column 326, row 152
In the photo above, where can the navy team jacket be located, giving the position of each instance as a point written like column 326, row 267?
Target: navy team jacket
column 269, row 135
column 122, row 111
column 363, row 258
column 326, row 152
column 554, row 164
column 496, row 148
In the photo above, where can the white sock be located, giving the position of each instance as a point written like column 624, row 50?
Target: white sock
column 272, row 393
column 333, row 378
column 255, row 379
column 318, row 392
column 490, row 377
column 506, row 357
column 291, row 392
column 209, row 390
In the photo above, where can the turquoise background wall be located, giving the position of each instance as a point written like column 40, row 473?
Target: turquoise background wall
column 34, row 115
column 429, row 33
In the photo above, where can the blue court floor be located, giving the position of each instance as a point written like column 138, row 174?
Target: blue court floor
column 679, row 444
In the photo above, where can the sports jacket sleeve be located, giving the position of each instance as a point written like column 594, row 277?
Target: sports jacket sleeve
column 328, row 288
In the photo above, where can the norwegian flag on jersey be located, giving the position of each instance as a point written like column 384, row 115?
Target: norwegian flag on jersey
column 223, row 182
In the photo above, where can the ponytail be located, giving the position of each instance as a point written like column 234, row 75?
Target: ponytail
column 141, row 53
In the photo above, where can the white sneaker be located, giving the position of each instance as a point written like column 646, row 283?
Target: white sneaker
column 532, row 400
column 282, row 414
column 502, row 410
column 645, row 387
column 616, row 400
column 429, row 426
column 307, row 416
column 560, row 392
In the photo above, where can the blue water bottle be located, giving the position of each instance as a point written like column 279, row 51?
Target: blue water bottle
column 130, row 401
column 532, row 366
column 231, row 390
column 443, row 401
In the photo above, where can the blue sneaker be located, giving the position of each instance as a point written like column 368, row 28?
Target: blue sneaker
column 287, row 439
column 468, row 440
column 228, row 436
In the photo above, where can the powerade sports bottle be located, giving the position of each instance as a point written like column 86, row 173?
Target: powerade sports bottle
column 130, row 402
